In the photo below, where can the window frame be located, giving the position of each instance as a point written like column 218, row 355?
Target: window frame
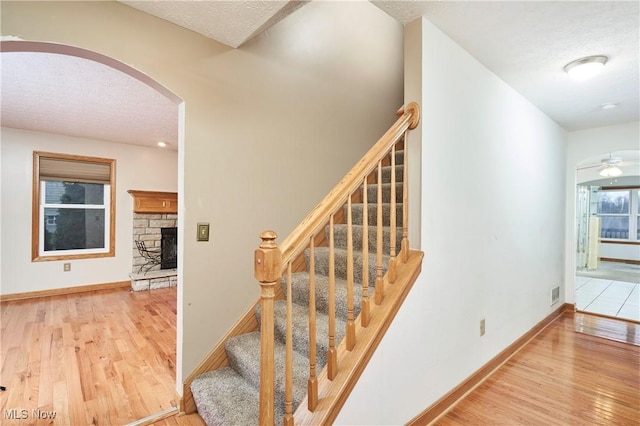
column 39, row 222
column 637, row 211
column 633, row 214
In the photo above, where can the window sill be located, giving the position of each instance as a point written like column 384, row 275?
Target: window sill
column 633, row 243
column 72, row 256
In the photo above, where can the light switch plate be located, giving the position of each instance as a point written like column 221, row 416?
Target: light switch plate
column 203, row 232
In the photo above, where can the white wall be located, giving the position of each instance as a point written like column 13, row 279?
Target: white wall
column 269, row 127
column 493, row 198
column 581, row 145
column 136, row 168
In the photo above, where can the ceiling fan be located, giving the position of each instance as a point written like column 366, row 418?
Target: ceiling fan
column 608, row 167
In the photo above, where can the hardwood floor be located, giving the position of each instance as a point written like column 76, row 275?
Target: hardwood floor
column 97, row 358
column 182, row 420
column 581, row 370
column 108, row 357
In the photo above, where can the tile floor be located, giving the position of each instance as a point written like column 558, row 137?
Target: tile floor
column 608, row 297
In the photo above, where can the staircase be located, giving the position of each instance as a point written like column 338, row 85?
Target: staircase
column 230, row 394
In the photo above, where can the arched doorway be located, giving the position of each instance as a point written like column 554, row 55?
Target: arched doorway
column 608, row 235
column 79, row 87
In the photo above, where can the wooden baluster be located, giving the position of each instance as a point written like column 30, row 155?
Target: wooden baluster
column 332, row 355
column 351, row 325
column 364, row 305
column 267, row 269
column 288, row 360
column 312, row 384
column 404, row 250
column 392, row 221
column 379, row 290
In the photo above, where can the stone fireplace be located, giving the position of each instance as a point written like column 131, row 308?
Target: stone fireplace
column 154, row 224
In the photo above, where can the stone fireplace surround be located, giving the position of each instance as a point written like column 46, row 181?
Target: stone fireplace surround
column 146, row 227
column 152, row 211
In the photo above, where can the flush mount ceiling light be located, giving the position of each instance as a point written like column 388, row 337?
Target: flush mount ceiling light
column 610, row 167
column 584, row 68
column 611, row 105
column 162, row 144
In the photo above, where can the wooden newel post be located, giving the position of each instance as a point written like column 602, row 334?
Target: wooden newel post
column 267, row 269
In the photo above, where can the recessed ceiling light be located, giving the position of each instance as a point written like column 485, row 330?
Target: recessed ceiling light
column 584, row 68
column 610, row 105
column 162, row 144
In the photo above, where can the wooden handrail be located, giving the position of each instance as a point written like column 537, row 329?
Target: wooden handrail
column 296, row 242
column 272, row 261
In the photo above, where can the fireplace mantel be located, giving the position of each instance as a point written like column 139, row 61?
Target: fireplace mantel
column 154, row 201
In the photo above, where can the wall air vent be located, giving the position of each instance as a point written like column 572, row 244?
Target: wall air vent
column 555, row 295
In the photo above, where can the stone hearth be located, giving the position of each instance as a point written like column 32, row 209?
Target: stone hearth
column 154, row 279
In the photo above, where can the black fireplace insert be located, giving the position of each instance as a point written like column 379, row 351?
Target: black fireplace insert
column 169, row 248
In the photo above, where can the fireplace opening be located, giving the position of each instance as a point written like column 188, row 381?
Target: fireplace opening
column 169, row 248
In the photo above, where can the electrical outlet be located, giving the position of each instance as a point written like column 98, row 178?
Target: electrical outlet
column 67, row 267
column 482, row 327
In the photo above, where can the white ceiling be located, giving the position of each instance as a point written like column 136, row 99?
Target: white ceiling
column 524, row 43
column 527, row 44
column 69, row 95
column 229, row 22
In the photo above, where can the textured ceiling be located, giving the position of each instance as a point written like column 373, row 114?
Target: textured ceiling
column 527, row 44
column 229, row 22
column 524, row 43
column 63, row 94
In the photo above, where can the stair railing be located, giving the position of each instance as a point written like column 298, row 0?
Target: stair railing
column 271, row 261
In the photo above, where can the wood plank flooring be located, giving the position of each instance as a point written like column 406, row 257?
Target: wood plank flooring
column 96, row 358
column 581, row 370
column 182, row 420
column 108, row 358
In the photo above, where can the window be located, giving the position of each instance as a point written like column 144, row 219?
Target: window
column 638, row 215
column 619, row 211
column 73, row 207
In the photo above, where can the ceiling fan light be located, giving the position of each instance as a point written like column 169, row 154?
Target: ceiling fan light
column 611, row 171
column 584, row 68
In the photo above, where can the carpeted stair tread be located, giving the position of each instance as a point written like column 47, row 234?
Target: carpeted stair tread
column 224, row 397
column 300, row 294
column 372, row 214
column 372, row 193
column 340, row 262
column 243, row 352
column 301, row 331
column 386, row 173
column 399, row 157
column 340, row 237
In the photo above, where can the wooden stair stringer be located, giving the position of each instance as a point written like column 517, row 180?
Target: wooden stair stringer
column 351, row 364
